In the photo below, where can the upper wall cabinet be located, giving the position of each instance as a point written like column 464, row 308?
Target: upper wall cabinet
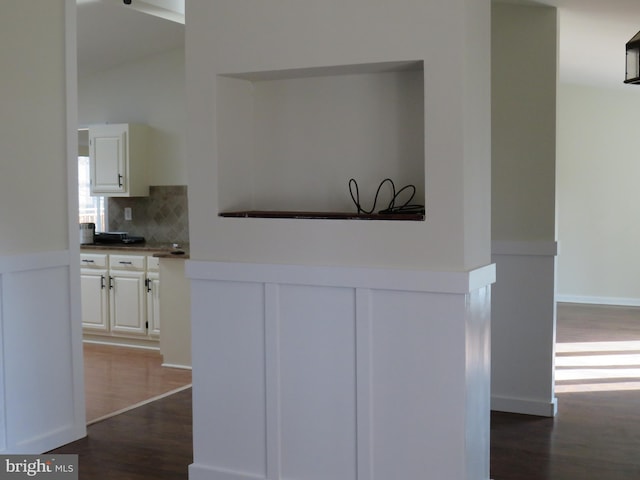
column 118, row 158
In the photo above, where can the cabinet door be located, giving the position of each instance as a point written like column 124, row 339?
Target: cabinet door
column 95, row 305
column 127, row 302
column 108, row 157
column 153, row 304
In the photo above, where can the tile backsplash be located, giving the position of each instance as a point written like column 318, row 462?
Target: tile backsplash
column 162, row 217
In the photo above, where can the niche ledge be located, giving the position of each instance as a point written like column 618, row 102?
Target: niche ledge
column 323, row 215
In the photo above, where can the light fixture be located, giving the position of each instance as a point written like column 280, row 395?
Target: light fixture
column 633, row 60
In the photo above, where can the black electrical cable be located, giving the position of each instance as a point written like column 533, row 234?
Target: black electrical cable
column 406, row 207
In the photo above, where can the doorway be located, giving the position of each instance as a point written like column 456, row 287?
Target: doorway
column 130, row 61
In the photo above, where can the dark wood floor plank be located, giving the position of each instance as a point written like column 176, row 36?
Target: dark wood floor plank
column 153, row 441
column 596, row 434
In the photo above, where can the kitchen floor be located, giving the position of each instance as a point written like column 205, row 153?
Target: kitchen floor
column 117, row 378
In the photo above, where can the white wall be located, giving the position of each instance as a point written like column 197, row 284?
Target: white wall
column 523, row 207
column 340, row 349
column 32, row 135
column 456, row 234
column 150, row 91
column 523, row 85
column 598, row 195
column 41, row 379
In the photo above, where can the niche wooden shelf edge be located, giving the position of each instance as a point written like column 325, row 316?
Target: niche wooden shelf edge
column 323, row 215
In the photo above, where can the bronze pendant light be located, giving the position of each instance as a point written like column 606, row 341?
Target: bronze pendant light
column 632, row 74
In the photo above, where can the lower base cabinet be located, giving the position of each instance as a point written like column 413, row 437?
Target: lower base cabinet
column 120, row 295
column 95, row 295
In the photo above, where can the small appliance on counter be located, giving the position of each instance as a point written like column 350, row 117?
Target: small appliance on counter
column 116, row 237
column 87, row 233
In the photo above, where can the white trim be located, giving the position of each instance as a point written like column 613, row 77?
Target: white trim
column 354, row 277
column 524, row 406
column 121, row 343
column 593, row 300
column 175, row 365
column 198, row 471
column 364, row 384
column 140, row 404
column 543, row 248
column 33, row 261
column 75, row 309
column 273, row 408
column 3, row 386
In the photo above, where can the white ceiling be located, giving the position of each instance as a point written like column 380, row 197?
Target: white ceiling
column 111, row 33
column 593, row 34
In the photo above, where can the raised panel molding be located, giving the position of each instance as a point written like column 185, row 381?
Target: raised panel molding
column 3, row 362
column 37, row 336
column 301, row 367
column 33, row 261
column 523, row 328
column 356, row 277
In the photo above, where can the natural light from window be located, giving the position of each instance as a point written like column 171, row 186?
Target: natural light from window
column 92, row 209
column 597, row 366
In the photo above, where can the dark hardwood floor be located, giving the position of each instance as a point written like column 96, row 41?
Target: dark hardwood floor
column 596, row 433
column 153, row 441
column 595, row 436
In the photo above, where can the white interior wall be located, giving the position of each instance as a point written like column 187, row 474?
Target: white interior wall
column 524, row 56
column 310, row 135
column 456, row 234
column 32, row 108
column 41, row 378
column 598, row 195
column 152, row 92
column 391, row 299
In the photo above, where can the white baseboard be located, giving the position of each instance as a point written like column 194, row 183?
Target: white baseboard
column 121, row 343
column 173, row 365
column 591, row 300
column 524, row 406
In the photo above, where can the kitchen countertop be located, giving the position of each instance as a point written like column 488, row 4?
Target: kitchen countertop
column 160, row 250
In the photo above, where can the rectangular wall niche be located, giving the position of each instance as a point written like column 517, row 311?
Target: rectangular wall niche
column 290, row 140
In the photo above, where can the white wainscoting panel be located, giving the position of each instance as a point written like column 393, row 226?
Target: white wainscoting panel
column 523, row 326
column 3, row 362
column 39, row 390
column 318, row 374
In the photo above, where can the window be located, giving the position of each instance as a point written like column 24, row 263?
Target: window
column 92, row 209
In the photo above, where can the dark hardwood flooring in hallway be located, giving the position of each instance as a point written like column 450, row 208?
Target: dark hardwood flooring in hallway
column 595, row 436
column 596, row 433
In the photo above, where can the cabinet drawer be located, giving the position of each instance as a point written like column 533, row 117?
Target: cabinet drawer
column 93, row 260
column 127, row 262
column 153, row 264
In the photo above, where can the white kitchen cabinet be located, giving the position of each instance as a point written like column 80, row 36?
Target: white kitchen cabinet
column 120, row 297
column 127, row 294
column 95, row 298
column 127, row 302
column 118, row 160
column 153, row 297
